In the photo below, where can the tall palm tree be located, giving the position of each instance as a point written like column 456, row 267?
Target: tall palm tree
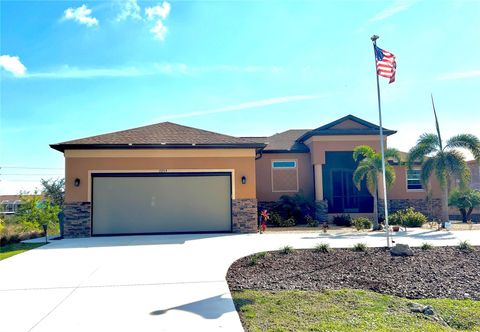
column 369, row 168
column 444, row 160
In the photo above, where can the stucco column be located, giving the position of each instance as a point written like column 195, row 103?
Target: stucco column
column 318, row 182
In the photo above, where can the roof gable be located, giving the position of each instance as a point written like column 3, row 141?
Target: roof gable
column 348, row 125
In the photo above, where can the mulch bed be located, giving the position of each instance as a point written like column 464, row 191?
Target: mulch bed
column 444, row 272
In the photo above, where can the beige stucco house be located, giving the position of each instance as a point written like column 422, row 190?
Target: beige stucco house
column 168, row 178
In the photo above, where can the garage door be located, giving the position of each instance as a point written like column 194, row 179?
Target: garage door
column 146, row 203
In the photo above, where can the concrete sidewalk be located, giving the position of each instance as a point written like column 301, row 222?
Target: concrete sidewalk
column 150, row 283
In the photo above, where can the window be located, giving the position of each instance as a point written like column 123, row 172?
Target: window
column 413, row 180
column 284, row 164
column 284, row 176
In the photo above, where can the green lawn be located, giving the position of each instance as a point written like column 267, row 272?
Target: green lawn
column 349, row 310
column 17, row 248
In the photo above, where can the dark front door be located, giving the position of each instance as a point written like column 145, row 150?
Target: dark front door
column 339, row 189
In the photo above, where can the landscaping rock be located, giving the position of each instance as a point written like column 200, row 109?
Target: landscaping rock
column 428, row 310
column 401, row 250
column 443, row 272
column 416, row 307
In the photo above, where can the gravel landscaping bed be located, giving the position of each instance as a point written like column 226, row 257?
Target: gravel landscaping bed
column 442, row 272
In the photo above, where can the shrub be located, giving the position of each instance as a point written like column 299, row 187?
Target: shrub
column 286, row 250
column 275, row 219
column 426, row 246
column 311, row 222
column 408, row 218
column 322, row 247
column 342, row 220
column 262, row 254
column 296, row 207
column 253, row 260
column 360, row 247
column 465, row 246
column 362, row 223
column 290, row 222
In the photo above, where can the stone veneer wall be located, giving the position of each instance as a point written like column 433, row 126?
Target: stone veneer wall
column 244, row 215
column 431, row 208
column 77, row 222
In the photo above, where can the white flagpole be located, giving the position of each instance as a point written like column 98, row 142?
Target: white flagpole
column 382, row 148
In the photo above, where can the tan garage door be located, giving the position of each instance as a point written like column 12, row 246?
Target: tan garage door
column 161, row 203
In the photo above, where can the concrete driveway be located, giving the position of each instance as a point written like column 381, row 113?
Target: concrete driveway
column 149, row 283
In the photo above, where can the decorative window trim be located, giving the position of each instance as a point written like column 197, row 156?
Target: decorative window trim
column 406, row 181
column 273, row 168
column 294, row 161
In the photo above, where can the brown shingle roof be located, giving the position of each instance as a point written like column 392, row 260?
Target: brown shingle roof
column 285, row 141
column 161, row 135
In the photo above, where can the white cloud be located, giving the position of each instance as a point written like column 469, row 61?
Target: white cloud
column 130, row 8
column 397, row 7
column 242, row 106
column 69, row 72
column 459, row 75
column 81, row 15
column 158, row 13
column 159, row 30
column 13, row 65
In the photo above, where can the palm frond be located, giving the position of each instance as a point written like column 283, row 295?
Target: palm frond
column 364, row 151
column 440, row 169
column 390, row 176
column 426, row 144
column 372, row 182
column 426, row 172
column 429, row 139
column 359, row 174
column 392, row 153
column 466, row 141
column 456, row 166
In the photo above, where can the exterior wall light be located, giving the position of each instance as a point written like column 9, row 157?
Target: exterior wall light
column 76, row 183
column 244, row 179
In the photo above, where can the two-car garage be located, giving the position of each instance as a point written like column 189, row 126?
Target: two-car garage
column 148, row 203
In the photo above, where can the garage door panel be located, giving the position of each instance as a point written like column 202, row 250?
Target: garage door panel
column 161, row 204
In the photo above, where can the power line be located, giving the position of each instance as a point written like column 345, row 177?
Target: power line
column 22, row 167
column 29, row 174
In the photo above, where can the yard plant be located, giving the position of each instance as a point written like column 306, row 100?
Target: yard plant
column 444, row 160
column 369, row 169
column 465, row 201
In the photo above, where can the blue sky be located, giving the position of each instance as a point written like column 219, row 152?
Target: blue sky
column 75, row 69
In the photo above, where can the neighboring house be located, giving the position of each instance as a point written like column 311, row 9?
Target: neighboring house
column 9, row 204
column 168, row 178
column 474, row 173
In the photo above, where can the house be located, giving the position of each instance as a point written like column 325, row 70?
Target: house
column 474, row 167
column 168, row 178
column 9, row 204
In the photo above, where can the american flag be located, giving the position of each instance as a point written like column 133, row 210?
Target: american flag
column 386, row 64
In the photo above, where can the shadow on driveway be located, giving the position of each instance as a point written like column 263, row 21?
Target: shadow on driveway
column 131, row 240
column 209, row 308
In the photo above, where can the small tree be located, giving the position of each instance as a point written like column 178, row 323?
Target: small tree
column 465, row 201
column 369, row 168
column 54, row 190
column 35, row 212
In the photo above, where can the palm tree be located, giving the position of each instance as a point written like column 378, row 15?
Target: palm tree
column 369, row 168
column 445, row 161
